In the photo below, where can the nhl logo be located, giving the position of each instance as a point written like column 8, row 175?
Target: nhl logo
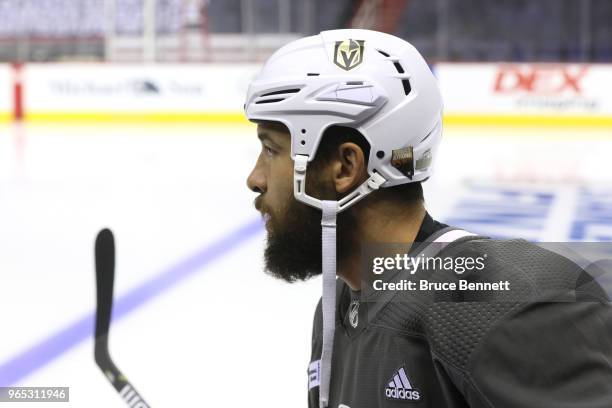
column 354, row 313
column 348, row 53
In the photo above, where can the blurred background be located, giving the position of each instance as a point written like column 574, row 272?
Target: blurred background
column 128, row 114
column 248, row 30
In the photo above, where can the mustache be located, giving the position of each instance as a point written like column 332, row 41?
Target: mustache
column 259, row 205
column 265, row 213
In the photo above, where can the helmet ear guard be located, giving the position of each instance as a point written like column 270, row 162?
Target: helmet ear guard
column 299, row 187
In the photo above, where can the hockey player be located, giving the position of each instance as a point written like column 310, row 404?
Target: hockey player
column 349, row 123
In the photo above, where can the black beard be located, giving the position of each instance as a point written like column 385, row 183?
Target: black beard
column 293, row 251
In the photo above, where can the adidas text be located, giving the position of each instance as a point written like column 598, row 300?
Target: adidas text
column 403, row 395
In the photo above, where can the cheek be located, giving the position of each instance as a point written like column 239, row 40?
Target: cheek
column 280, row 190
column 319, row 187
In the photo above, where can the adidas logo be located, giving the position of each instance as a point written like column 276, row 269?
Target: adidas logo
column 400, row 389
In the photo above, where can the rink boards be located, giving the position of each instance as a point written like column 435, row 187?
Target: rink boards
column 474, row 93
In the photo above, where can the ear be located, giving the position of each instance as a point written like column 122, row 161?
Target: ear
column 349, row 168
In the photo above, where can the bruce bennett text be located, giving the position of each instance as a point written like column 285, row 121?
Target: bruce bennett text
column 425, row 285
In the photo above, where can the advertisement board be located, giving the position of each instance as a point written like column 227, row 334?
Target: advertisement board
column 489, row 93
column 152, row 92
column 527, row 92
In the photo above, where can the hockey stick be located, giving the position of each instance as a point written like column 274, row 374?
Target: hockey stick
column 105, row 276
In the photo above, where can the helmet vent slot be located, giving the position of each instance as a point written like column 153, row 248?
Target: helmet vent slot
column 282, row 91
column 407, row 87
column 278, row 95
column 400, row 70
column 269, row 101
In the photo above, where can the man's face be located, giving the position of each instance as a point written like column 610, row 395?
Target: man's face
column 293, row 250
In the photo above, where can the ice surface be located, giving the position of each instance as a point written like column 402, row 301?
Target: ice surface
column 224, row 333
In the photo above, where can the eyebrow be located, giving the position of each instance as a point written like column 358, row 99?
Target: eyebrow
column 265, row 136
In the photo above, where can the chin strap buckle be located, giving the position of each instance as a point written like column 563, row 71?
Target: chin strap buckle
column 371, row 184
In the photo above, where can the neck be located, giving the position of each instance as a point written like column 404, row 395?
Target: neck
column 380, row 222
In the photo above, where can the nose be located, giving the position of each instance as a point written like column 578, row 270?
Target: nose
column 257, row 181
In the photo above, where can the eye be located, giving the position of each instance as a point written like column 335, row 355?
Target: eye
column 269, row 151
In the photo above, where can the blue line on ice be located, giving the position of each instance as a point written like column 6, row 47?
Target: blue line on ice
column 42, row 353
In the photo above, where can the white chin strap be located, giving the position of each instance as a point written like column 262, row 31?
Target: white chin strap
column 328, row 231
column 330, row 210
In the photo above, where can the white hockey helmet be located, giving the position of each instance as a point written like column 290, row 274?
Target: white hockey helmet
column 374, row 82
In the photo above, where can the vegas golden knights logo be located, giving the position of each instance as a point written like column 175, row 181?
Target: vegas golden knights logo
column 348, row 53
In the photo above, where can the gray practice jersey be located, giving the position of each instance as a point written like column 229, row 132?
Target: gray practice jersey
column 545, row 343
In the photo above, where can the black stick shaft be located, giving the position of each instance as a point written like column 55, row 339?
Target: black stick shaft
column 105, row 277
